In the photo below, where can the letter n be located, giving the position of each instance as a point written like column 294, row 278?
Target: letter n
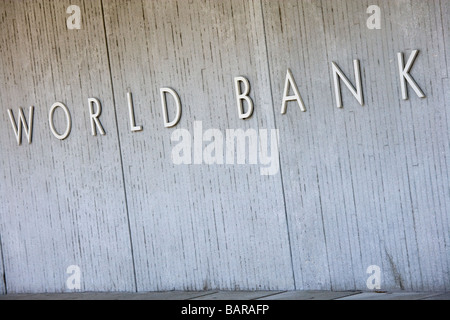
column 22, row 124
column 356, row 92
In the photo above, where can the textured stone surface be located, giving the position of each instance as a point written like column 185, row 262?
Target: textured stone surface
column 62, row 202
column 239, row 295
column 363, row 185
column 2, row 273
column 309, row 295
column 233, row 295
column 196, row 227
column 357, row 186
column 395, row 296
column 171, row 295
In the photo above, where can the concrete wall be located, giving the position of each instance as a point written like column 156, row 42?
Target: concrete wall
column 364, row 185
column 2, row 281
column 357, row 186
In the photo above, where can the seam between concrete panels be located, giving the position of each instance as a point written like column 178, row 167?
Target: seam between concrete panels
column 3, row 279
column 119, row 144
column 279, row 155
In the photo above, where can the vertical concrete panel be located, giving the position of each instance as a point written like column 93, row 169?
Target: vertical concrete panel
column 196, row 226
column 2, row 273
column 62, row 202
column 357, row 186
column 364, row 185
column 445, row 43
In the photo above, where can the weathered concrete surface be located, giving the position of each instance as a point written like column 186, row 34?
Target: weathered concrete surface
column 357, row 186
column 62, row 202
column 396, row 296
column 2, row 272
column 310, row 295
column 238, row 295
column 364, row 185
column 443, row 296
column 199, row 226
column 172, row 295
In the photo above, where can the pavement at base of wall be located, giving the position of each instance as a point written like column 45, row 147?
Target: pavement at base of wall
column 235, row 295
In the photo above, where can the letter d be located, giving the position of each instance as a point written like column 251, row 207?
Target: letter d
column 172, row 92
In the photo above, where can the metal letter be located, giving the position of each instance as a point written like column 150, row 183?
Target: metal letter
column 68, row 118
column 168, row 124
column 357, row 93
column 134, row 128
column 404, row 75
column 243, row 96
column 290, row 82
column 22, row 124
column 95, row 122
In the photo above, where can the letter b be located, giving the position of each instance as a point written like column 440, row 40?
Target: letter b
column 241, row 96
column 229, row 309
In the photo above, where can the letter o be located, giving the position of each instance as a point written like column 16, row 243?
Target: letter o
column 68, row 118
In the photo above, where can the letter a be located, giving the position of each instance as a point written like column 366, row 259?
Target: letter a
column 74, row 280
column 290, row 82
column 374, row 21
column 374, row 281
column 74, row 21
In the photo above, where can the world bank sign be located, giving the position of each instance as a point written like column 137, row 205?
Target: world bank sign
column 257, row 145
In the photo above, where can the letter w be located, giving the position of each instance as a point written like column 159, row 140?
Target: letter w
column 22, row 125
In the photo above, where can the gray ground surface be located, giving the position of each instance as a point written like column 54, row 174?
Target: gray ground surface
column 241, row 295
